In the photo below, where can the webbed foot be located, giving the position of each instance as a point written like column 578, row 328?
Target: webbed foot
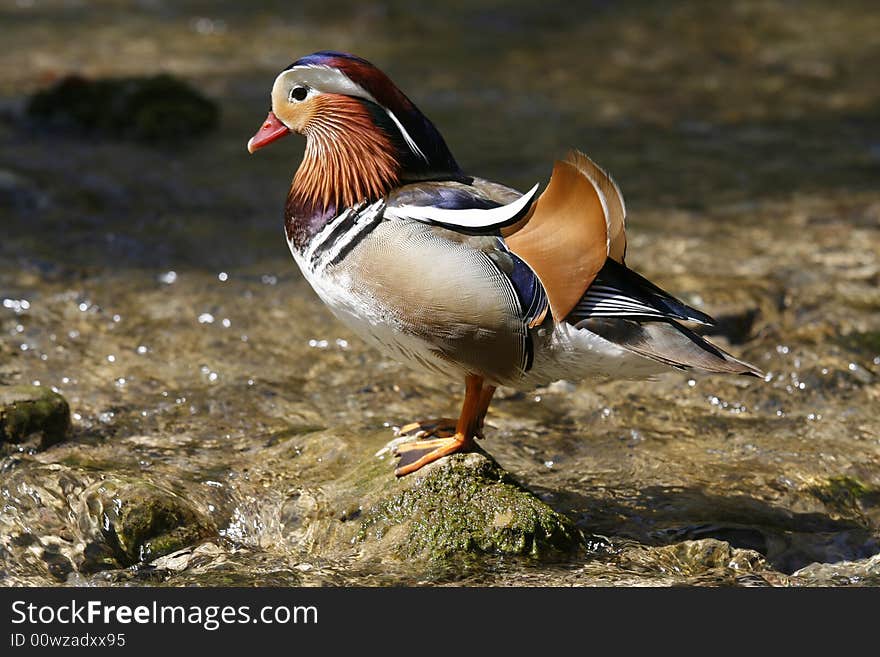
column 450, row 435
column 419, row 453
column 443, row 427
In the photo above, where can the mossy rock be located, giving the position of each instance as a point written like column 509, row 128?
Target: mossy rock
column 28, row 412
column 843, row 495
column 137, row 522
column 151, row 525
column 465, row 504
column 157, row 109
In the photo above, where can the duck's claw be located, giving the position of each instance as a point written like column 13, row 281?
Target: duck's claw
column 454, row 435
column 417, row 454
column 443, row 427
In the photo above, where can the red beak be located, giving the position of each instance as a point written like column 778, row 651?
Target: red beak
column 271, row 130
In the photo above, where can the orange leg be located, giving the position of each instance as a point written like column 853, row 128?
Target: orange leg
column 485, row 400
column 445, row 427
column 417, row 454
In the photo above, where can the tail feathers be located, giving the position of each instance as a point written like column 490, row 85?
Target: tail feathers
column 668, row 342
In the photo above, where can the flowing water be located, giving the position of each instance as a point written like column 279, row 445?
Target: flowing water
column 152, row 286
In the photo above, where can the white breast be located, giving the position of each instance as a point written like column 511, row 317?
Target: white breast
column 361, row 312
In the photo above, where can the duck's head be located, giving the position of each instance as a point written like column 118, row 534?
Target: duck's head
column 355, row 118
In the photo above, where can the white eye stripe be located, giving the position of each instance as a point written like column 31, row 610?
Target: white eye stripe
column 326, row 79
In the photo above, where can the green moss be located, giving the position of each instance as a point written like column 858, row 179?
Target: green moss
column 841, row 493
column 151, row 525
column 865, row 343
column 32, row 410
column 160, row 108
column 467, row 504
column 134, row 521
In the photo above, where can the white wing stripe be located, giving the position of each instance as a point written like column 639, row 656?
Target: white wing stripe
column 599, row 302
column 470, row 218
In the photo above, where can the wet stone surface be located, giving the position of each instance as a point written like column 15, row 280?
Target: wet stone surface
column 225, row 429
column 32, row 412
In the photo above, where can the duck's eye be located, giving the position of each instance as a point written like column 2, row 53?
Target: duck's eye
column 299, row 93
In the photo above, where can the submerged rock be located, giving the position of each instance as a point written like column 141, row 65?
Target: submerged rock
column 704, row 561
column 38, row 534
column 695, row 557
column 33, row 415
column 159, row 108
column 59, row 521
column 129, row 522
column 864, row 572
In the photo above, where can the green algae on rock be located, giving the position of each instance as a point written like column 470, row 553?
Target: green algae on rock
column 152, row 525
column 344, row 500
column 131, row 522
column 844, row 495
column 33, row 411
column 465, row 503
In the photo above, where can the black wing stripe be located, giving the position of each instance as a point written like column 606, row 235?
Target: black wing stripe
column 620, row 292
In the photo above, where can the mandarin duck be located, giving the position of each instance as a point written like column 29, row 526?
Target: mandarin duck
column 458, row 276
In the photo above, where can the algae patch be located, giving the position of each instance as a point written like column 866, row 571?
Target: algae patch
column 466, row 504
column 27, row 411
column 137, row 522
column 843, row 494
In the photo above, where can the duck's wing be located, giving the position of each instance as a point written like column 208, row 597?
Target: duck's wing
column 473, row 276
column 618, row 291
column 565, row 235
column 667, row 342
column 630, row 311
